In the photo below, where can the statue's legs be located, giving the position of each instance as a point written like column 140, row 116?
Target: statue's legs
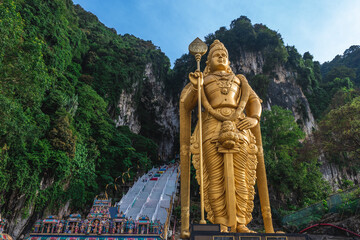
column 214, row 164
column 245, row 163
column 241, row 191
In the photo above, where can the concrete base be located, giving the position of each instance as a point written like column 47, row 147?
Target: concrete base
column 212, row 232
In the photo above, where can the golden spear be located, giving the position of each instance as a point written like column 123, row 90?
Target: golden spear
column 198, row 48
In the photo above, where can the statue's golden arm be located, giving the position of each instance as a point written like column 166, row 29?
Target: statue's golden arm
column 188, row 100
column 253, row 109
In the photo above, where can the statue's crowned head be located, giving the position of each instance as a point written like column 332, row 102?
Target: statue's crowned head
column 216, row 47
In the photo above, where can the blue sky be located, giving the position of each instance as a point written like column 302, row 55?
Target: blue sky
column 325, row 28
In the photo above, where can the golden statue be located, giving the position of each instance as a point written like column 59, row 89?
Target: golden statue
column 231, row 143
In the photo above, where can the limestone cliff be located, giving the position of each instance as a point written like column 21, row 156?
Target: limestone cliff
column 20, row 222
column 165, row 108
column 127, row 111
column 335, row 175
column 154, row 114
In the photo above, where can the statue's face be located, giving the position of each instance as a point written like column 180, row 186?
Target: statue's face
column 219, row 61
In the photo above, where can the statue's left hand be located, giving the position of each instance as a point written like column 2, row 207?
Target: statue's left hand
column 246, row 123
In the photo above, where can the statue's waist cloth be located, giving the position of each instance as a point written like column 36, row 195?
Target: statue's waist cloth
column 244, row 168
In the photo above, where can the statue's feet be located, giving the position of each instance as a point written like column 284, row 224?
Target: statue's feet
column 241, row 228
column 224, row 228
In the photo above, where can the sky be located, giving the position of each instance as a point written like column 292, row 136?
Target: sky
column 325, row 28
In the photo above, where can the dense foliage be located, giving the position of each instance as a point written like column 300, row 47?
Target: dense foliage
column 298, row 181
column 242, row 35
column 339, row 132
column 342, row 66
column 57, row 139
column 319, row 90
column 337, row 136
column 114, row 63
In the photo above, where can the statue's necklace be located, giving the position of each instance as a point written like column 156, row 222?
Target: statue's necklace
column 224, row 81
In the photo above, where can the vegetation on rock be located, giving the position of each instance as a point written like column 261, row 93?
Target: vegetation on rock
column 298, row 181
column 61, row 71
column 339, row 133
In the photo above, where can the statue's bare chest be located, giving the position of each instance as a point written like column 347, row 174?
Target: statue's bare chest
column 222, row 90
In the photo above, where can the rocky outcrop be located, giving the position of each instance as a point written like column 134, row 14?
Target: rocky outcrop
column 248, row 62
column 18, row 220
column 21, row 221
column 149, row 100
column 127, row 111
column 165, row 109
column 283, row 91
column 335, row 175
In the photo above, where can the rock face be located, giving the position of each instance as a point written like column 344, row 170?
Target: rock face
column 282, row 89
column 154, row 104
column 21, row 222
column 127, row 112
column 18, row 222
column 165, row 109
column 335, row 175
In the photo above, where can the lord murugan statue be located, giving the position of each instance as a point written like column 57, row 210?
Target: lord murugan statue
column 229, row 137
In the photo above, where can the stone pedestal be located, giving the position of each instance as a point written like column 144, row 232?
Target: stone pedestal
column 212, row 232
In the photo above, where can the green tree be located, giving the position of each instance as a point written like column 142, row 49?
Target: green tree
column 339, row 134
column 57, row 140
column 295, row 181
column 345, row 65
column 260, row 82
column 340, row 72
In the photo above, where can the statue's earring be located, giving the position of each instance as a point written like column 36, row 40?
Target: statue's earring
column 208, row 65
column 228, row 69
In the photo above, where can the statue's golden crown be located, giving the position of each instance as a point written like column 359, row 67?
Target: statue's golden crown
column 216, row 45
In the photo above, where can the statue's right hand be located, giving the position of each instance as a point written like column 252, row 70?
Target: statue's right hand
column 195, row 77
